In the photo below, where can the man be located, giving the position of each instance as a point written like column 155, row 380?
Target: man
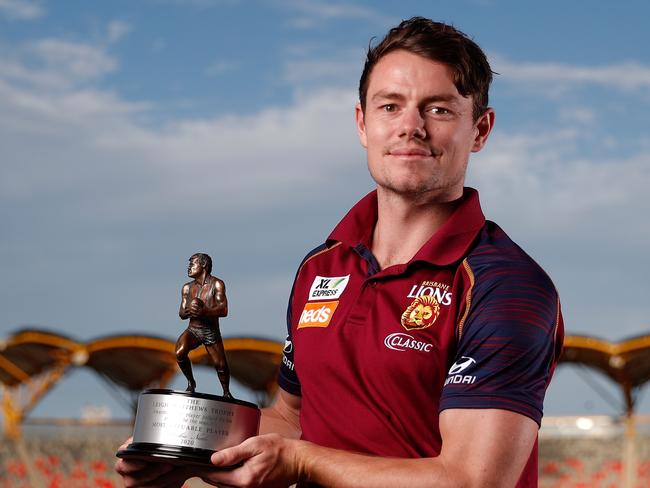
column 203, row 301
column 421, row 338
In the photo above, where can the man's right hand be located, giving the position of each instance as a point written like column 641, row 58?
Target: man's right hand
column 196, row 307
column 142, row 474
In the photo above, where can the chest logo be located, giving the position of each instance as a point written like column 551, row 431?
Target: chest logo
column 440, row 291
column 317, row 314
column 328, row 287
column 421, row 313
column 401, row 342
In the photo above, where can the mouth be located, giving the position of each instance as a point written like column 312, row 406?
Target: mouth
column 410, row 153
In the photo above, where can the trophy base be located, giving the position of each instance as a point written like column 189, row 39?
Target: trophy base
column 162, row 453
column 180, row 427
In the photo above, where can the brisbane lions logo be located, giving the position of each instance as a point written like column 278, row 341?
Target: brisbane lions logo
column 422, row 313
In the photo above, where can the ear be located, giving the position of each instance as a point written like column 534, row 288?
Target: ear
column 483, row 126
column 361, row 125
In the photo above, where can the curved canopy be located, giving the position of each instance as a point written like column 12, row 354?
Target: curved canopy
column 626, row 362
column 131, row 361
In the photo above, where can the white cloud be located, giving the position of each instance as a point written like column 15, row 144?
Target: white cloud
column 55, row 64
column 117, row 30
column 626, row 76
column 222, row 66
column 76, row 61
column 21, row 9
column 541, row 169
column 322, row 71
column 579, row 115
column 311, row 13
column 260, row 157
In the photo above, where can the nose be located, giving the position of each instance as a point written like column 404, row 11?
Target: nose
column 413, row 124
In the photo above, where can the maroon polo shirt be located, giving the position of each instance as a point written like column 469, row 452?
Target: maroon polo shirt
column 471, row 321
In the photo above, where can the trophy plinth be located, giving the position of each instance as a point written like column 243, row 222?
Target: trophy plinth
column 182, row 427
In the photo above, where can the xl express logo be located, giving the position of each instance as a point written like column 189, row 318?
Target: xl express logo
column 328, row 287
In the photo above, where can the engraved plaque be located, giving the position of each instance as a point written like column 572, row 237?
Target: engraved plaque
column 184, row 427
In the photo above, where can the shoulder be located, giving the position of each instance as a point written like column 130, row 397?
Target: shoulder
column 186, row 286
column 508, row 288
column 318, row 254
column 498, row 261
column 217, row 283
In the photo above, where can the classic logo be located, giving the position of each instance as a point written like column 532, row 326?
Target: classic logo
column 401, row 342
column 328, row 287
column 422, row 313
column 458, row 367
column 317, row 314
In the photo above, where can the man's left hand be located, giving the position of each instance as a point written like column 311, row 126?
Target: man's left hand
column 268, row 460
column 196, row 307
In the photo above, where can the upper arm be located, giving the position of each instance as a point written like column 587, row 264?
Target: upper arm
column 221, row 302
column 283, row 416
column 485, row 447
column 220, row 290
column 185, row 292
column 509, row 345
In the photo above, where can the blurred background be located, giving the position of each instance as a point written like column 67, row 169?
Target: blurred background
column 135, row 133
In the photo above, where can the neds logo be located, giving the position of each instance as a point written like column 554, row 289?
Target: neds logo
column 317, row 314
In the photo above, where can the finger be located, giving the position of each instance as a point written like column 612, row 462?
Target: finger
column 232, row 455
column 122, row 466
column 220, row 478
column 175, row 479
column 125, row 444
column 138, row 474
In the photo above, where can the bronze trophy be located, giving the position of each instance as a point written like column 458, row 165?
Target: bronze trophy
column 187, row 426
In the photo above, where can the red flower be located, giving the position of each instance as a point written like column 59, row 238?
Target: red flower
column 550, row 468
column 17, row 469
column 98, row 466
column 575, row 463
column 101, row 482
column 55, row 481
column 616, row 466
column 78, row 473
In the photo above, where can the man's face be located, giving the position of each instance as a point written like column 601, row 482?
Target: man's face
column 194, row 268
column 418, row 130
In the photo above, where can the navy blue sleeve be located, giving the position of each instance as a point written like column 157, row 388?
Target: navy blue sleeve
column 507, row 351
column 287, row 376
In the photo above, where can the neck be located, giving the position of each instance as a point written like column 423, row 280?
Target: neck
column 405, row 224
column 201, row 279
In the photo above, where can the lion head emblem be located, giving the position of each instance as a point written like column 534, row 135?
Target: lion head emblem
column 422, row 313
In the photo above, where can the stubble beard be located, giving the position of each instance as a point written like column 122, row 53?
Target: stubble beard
column 433, row 189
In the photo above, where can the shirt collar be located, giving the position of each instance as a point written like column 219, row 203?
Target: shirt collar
column 449, row 244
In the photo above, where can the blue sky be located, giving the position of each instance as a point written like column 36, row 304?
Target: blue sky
column 134, row 133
